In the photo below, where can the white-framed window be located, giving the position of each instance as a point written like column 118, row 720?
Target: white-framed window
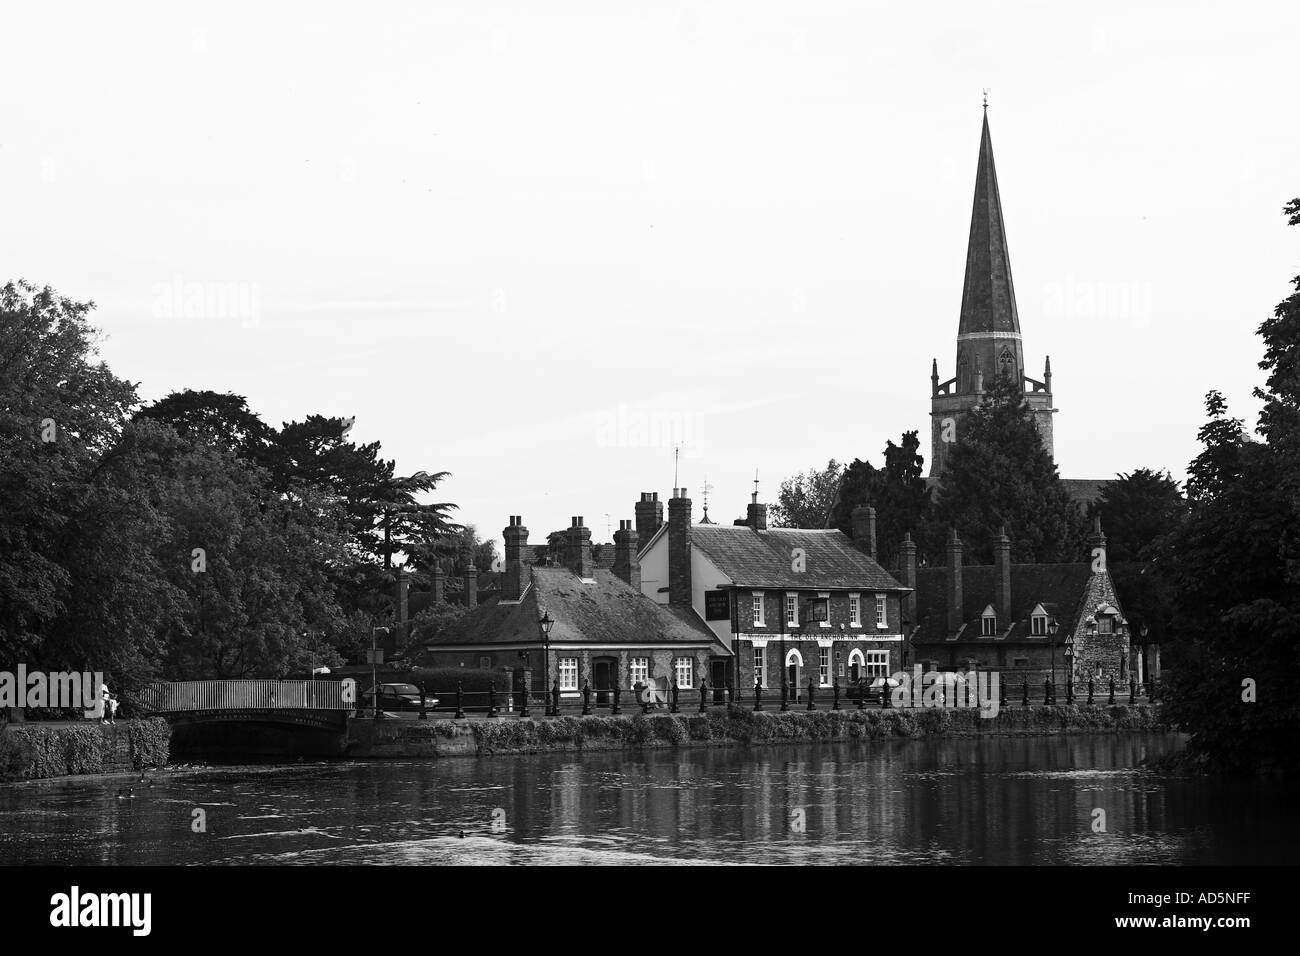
column 857, row 665
column 758, row 609
column 824, row 666
column 791, row 609
column 1038, row 625
column 881, row 620
column 760, row 666
column 825, row 596
column 855, row 610
column 988, row 624
column 568, row 673
column 684, row 670
column 877, row 663
column 639, row 671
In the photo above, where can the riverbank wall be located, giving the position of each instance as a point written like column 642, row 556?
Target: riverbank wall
column 735, row 727
column 40, row 751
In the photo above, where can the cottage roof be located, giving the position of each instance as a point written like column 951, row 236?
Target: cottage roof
column 1059, row 588
column 764, row 559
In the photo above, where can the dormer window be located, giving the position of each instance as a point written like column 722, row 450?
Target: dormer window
column 1038, row 622
column 988, row 622
column 1105, row 624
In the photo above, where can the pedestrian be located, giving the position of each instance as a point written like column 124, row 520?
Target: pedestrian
column 110, row 707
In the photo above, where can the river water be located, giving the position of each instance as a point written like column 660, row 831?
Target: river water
column 1006, row 800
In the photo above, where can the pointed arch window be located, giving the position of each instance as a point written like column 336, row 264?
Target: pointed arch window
column 988, row 622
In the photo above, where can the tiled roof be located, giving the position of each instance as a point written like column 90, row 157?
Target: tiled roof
column 1084, row 491
column 606, row 611
column 763, row 559
column 1060, row 588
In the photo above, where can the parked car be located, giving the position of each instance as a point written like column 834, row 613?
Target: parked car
column 398, row 697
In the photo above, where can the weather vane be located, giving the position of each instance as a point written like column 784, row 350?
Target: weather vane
column 986, row 97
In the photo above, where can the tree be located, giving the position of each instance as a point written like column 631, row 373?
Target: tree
column 1234, row 567
column 806, row 500
column 1136, row 511
column 898, row 491
column 217, row 420
column 1000, row 475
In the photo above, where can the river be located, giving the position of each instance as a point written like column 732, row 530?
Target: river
column 1005, row 800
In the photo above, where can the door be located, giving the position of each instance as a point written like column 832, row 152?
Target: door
column 792, row 679
column 602, row 673
column 718, row 680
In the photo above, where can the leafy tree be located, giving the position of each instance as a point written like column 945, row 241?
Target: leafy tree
column 898, row 491
column 806, row 500
column 217, row 420
column 1137, row 510
column 1234, row 567
column 999, row 474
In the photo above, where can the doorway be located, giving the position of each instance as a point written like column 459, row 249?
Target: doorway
column 602, row 679
column 718, row 679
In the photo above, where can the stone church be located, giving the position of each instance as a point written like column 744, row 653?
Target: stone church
column 988, row 333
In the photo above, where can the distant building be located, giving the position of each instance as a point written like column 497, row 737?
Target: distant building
column 803, row 604
column 1001, row 616
column 988, row 334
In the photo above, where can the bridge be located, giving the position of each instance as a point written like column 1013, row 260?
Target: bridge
column 253, row 716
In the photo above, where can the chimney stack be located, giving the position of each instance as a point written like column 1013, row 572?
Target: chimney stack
column 577, row 550
column 649, row 516
column 439, row 584
column 907, row 555
column 863, row 525
column 626, row 564
column 1002, row 578
column 516, row 535
column 679, row 549
column 955, row 618
column 471, row 587
column 757, row 513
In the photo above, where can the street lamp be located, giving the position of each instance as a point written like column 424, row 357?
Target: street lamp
column 1069, row 668
column 546, row 623
column 1052, row 628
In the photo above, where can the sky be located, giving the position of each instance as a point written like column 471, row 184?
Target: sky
column 540, row 245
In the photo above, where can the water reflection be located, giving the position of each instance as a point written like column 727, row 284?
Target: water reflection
column 1004, row 801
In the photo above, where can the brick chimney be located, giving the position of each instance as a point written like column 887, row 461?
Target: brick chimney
column 649, row 516
column 471, row 587
column 756, row 517
column 907, row 559
column 577, row 548
column 679, row 549
column 439, row 585
column 863, row 525
column 954, row 584
column 626, row 564
column 516, row 535
column 1002, row 578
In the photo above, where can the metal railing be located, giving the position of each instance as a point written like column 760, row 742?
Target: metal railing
column 243, row 695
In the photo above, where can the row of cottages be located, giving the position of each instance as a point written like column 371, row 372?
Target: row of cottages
column 1020, row 619
column 685, row 604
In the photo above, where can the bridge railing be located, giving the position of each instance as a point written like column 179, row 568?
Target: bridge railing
column 243, row 695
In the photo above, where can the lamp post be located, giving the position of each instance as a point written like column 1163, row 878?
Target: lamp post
column 545, row 623
column 1052, row 628
column 1069, row 669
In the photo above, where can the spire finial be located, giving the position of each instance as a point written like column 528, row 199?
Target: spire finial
column 986, row 99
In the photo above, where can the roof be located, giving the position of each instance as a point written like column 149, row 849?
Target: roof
column 604, row 610
column 1060, row 588
column 1084, row 491
column 763, row 559
column 988, row 298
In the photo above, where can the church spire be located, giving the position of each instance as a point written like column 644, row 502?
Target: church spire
column 988, row 299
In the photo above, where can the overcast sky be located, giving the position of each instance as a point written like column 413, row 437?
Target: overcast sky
column 536, row 244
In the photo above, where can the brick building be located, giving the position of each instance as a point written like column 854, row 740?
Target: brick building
column 803, row 603
column 1000, row 616
column 988, row 333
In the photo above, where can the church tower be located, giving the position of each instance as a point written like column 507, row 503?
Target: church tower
column 988, row 333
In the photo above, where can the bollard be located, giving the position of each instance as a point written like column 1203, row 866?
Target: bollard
column 704, row 690
column 810, row 695
column 885, row 700
column 555, row 698
column 1047, row 690
column 785, row 695
column 586, row 698
column 492, row 700
column 1024, row 690
column 1003, row 700
column 672, row 708
column 835, row 690
column 423, row 715
column 758, row 694
column 1112, row 688
column 523, row 699
column 862, row 693
column 645, row 699
column 1132, row 690
column 616, row 710
column 1089, row 690
column 1069, row 689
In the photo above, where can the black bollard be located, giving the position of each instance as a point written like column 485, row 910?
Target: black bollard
column 672, row 708
column 1132, row 690
column 1090, row 689
column 615, row 710
column 1069, row 689
column 492, row 700
column 810, row 695
column 862, row 693
column 1024, row 690
column 1047, row 690
column 460, row 710
column 785, row 695
column 523, row 699
column 704, row 690
column 758, row 694
column 555, row 698
column 885, row 700
column 1002, row 702
column 835, row 690
column 423, row 715
column 586, row 698
column 645, row 699
column 1112, row 688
